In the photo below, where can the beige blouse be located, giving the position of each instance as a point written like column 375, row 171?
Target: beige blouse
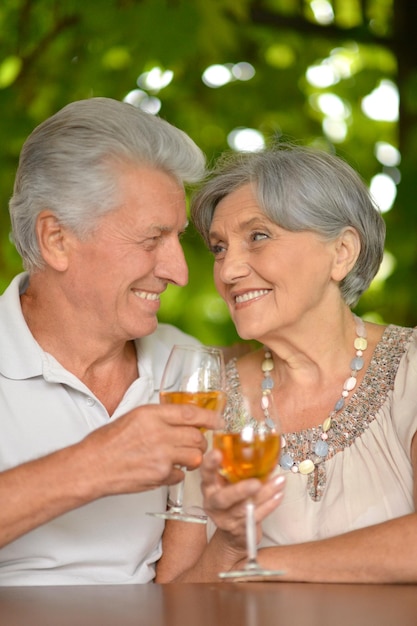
column 367, row 476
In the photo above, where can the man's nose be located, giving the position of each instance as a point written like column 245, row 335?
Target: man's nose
column 172, row 265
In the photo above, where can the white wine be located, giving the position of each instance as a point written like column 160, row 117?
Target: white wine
column 214, row 400
column 247, row 459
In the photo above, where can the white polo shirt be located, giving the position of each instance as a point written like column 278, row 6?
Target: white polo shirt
column 43, row 408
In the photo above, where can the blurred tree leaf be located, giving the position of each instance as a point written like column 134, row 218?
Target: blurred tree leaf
column 53, row 52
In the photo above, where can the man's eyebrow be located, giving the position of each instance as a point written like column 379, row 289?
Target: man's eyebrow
column 163, row 228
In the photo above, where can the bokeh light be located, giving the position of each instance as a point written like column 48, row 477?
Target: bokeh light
column 217, row 75
column 384, row 191
column 140, row 99
column 387, row 154
column 246, row 140
column 156, row 79
column 323, row 11
column 382, row 104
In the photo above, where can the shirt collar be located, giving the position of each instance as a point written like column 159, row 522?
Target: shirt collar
column 20, row 354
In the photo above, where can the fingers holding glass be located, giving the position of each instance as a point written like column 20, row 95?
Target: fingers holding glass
column 250, row 446
column 193, row 375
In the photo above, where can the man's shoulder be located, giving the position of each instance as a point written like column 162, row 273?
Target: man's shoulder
column 169, row 334
column 160, row 342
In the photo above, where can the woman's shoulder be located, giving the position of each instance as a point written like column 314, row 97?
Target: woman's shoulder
column 397, row 345
column 403, row 402
column 398, row 339
column 400, row 342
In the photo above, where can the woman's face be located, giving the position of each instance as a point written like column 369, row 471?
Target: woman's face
column 269, row 277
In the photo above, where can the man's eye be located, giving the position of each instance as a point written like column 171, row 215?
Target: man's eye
column 149, row 243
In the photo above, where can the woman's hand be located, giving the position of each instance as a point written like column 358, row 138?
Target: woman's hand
column 225, row 502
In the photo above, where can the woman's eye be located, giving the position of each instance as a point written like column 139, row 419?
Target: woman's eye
column 258, row 236
column 217, row 249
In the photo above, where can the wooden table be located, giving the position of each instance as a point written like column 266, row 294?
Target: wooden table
column 222, row 604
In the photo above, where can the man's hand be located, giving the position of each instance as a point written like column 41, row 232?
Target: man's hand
column 146, row 447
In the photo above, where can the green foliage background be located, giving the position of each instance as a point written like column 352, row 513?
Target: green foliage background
column 53, row 52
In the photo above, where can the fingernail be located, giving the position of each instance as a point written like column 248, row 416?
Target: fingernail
column 279, row 480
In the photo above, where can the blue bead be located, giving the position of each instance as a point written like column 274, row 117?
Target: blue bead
column 357, row 364
column 339, row 404
column 267, row 383
column 286, row 461
column 321, row 448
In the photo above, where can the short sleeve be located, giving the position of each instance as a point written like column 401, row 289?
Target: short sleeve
column 404, row 398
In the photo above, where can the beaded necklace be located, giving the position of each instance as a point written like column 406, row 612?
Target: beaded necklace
column 320, row 447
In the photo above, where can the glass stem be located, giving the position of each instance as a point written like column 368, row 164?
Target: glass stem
column 251, row 536
column 176, row 496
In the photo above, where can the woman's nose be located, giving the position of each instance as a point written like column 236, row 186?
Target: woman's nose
column 233, row 266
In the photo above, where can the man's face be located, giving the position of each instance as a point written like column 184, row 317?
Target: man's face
column 115, row 277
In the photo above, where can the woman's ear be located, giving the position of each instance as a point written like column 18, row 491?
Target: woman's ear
column 347, row 249
column 52, row 240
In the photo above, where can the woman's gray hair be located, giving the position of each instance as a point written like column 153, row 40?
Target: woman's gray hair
column 68, row 165
column 302, row 189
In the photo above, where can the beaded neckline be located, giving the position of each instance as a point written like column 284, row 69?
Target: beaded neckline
column 320, row 448
column 353, row 420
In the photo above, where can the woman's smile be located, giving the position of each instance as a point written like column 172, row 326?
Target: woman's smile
column 249, row 296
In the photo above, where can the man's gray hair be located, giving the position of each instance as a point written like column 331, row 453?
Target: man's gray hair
column 69, row 165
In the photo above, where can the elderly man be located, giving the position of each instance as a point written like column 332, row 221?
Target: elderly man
column 85, row 450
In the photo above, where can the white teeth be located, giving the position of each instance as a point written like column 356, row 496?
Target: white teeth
column 250, row 295
column 145, row 295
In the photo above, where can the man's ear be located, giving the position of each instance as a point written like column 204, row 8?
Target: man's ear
column 347, row 248
column 52, row 240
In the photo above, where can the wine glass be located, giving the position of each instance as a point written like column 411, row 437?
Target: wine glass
column 250, row 444
column 193, row 375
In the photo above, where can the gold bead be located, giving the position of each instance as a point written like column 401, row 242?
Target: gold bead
column 306, row 467
column 327, row 424
column 267, row 365
column 360, row 343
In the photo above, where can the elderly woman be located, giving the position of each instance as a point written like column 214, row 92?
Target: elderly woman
column 296, row 240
